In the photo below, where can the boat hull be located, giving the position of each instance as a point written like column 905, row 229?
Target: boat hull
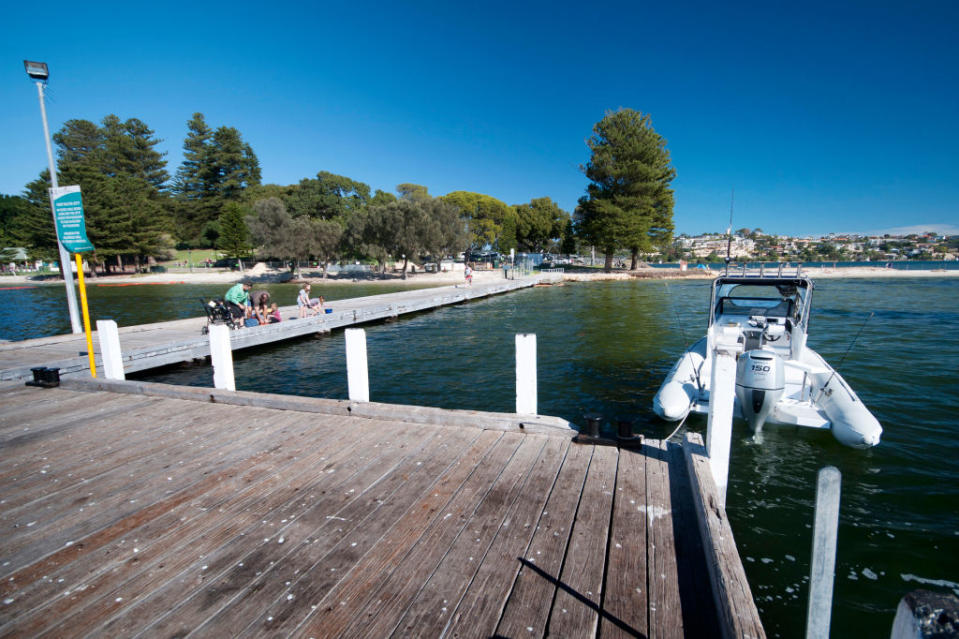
column 816, row 397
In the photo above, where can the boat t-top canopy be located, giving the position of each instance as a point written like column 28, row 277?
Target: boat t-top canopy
column 787, row 298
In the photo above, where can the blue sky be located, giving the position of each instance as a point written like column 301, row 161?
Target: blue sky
column 831, row 117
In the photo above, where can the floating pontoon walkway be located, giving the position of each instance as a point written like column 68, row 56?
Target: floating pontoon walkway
column 135, row 509
column 154, row 345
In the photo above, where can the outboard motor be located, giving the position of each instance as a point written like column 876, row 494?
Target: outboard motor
column 760, row 380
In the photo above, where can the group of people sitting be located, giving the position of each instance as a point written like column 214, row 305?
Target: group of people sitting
column 254, row 309
column 251, row 310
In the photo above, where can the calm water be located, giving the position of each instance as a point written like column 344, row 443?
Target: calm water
column 605, row 347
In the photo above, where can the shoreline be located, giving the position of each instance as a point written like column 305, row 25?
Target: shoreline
column 453, row 277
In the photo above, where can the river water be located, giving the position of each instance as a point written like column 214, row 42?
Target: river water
column 605, row 347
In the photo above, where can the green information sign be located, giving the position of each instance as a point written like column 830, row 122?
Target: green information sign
column 68, row 213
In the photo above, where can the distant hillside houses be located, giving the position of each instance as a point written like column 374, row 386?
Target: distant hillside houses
column 756, row 245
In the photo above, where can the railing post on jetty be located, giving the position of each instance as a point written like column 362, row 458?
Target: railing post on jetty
column 719, row 426
column 110, row 354
column 357, row 373
column 222, row 357
column 526, row 373
column 823, row 562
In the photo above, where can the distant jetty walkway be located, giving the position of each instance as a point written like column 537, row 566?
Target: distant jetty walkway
column 153, row 345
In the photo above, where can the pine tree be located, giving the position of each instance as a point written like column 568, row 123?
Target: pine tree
column 120, row 174
column 234, row 234
column 129, row 149
column 218, row 166
column 629, row 203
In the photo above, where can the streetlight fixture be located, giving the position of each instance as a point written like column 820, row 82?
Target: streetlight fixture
column 38, row 71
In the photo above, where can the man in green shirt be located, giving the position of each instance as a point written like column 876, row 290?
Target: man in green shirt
column 238, row 299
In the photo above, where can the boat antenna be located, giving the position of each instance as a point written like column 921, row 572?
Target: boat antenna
column 843, row 359
column 729, row 230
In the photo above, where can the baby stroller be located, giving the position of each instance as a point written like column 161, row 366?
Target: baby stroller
column 217, row 312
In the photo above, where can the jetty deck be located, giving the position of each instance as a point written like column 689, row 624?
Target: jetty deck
column 130, row 509
column 160, row 344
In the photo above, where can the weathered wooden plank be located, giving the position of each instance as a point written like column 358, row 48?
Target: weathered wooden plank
column 131, row 586
column 309, row 571
column 625, row 604
column 480, row 608
column 372, row 542
column 25, row 426
column 665, row 609
column 407, row 605
column 576, row 608
column 180, row 524
column 282, row 526
column 698, row 610
column 51, row 484
column 738, row 615
column 112, row 497
column 88, row 449
column 412, row 550
column 315, row 566
column 528, row 607
column 539, row 424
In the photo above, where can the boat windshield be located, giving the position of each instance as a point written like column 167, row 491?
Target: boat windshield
column 782, row 299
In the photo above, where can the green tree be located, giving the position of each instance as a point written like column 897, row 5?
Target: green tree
column 14, row 212
column 382, row 197
column 568, row 245
column 120, row 174
column 279, row 234
column 539, row 223
column 409, row 228
column 233, row 165
column 128, row 148
column 234, row 233
column 484, row 216
column 218, row 167
column 327, row 197
column 413, row 192
column 191, row 179
column 629, row 202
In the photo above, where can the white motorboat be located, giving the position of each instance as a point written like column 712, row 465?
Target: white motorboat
column 779, row 379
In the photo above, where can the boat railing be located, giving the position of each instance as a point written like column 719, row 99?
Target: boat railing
column 780, row 270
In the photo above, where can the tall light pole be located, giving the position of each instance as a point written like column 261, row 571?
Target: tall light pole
column 39, row 72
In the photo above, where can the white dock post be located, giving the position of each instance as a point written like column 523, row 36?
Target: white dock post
column 357, row 372
column 823, row 563
column 110, row 354
column 526, row 373
column 722, row 394
column 222, row 356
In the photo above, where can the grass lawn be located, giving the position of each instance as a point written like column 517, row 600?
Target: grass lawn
column 198, row 256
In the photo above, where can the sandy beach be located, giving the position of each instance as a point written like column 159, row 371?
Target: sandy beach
column 206, row 276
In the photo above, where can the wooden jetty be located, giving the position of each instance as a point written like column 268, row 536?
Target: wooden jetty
column 131, row 508
column 153, row 345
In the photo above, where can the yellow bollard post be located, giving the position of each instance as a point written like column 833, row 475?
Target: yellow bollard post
column 86, row 316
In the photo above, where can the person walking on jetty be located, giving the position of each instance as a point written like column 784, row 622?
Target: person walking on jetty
column 238, row 299
column 468, row 274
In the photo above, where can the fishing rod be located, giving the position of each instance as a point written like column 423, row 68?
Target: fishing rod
column 843, row 359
